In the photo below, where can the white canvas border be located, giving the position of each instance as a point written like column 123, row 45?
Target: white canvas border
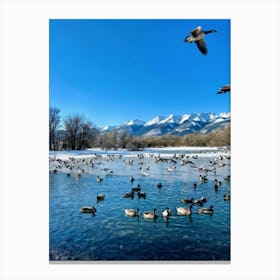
column 255, row 140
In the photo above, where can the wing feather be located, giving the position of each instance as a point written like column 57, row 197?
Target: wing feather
column 202, row 46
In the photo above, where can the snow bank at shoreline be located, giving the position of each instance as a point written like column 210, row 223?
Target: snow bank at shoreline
column 166, row 151
column 184, row 148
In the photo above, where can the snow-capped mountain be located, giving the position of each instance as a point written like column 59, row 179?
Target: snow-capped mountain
column 174, row 124
column 134, row 122
column 155, row 120
column 107, row 128
column 171, row 119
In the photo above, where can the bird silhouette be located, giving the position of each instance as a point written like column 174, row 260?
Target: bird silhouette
column 224, row 89
column 197, row 36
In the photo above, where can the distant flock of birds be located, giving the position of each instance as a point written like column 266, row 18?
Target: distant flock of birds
column 197, row 35
column 75, row 165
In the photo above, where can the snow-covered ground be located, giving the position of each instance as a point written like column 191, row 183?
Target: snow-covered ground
column 165, row 152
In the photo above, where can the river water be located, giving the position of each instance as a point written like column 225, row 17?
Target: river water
column 110, row 235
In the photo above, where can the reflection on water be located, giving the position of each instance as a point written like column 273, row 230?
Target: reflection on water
column 111, row 235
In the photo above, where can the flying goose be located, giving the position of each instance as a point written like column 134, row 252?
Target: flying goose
column 197, row 36
column 224, row 89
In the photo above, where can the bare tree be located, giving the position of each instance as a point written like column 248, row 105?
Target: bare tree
column 54, row 120
column 79, row 132
column 109, row 140
column 124, row 139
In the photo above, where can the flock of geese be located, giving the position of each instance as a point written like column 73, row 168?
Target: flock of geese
column 197, row 36
column 78, row 166
column 181, row 211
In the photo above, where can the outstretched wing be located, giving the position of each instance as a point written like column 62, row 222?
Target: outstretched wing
column 189, row 39
column 224, row 89
column 202, row 46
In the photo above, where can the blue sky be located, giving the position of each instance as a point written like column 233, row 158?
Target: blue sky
column 112, row 71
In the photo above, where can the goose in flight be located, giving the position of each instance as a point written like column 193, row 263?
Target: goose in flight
column 197, row 36
column 224, row 89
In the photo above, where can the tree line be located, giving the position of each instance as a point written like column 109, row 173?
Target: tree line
column 75, row 132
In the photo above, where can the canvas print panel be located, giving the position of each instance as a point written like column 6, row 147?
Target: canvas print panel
column 139, row 140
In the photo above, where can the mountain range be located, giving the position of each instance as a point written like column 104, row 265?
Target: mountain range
column 173, row 124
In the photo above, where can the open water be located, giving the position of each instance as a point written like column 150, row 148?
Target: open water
column 111, row 236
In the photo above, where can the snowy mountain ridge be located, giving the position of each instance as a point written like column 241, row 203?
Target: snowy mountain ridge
column 174, row 124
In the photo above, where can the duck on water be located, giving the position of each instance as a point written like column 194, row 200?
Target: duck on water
column 88, row 209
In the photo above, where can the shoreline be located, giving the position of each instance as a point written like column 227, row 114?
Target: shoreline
column 164, row 151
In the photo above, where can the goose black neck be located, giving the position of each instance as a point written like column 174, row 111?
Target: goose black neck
column 209, row 31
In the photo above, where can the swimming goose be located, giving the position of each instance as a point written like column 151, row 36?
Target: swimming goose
column 203, row 199
column 131, row 212
column 141, row 194
column 105, row 169
column 197, row 36
column 136, row 189
column 216, row 186
column 198, row 202
column 206, row 210
column 99, row 179
column 132, row 179
column 224, row 89
column 226, row 197
column 184, row 211
column 202, row 179
column 129, row 195
column 100, row 197
column 166, row 213
column 159, row 185
column 171, row 169
column 143, row 172
column 88, row 209
column 219, row 183
column 186, row 200
column 227, row 178
column 150, row 215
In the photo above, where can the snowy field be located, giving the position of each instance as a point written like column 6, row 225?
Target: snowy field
column 166, row 151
